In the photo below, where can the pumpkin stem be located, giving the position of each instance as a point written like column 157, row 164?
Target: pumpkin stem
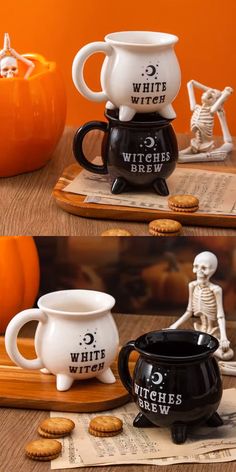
column 172, row 261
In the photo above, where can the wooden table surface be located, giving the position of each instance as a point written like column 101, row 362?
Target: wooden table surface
column 17, row 427
column 27, row 207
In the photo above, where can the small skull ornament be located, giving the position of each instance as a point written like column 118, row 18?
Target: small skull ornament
column 9, row 67
column 9, row 61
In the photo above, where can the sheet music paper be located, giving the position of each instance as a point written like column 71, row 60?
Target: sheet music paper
column 215, row 190
column 148, row 445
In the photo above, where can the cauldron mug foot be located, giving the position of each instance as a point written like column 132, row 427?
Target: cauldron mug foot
column 160, row 186
column 64, row 382
column 45, row 371
column 110, row 106
column 119, row 185
column 126, row 113
column 215, row 420
column 179, row 433
column 141, row 421
column 168, row 112
column 107, row 377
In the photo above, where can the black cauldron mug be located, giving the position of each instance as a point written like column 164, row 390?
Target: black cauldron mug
column 176, row 380
column 139, row 153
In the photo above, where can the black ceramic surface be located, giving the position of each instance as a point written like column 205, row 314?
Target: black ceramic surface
column 138, row 153
column 176, row 381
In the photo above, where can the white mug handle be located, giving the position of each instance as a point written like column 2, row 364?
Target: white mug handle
column 78, row 69
column 11, row 337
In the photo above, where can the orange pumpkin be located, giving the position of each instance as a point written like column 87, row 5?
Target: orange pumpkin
column 32, row 117
column 169, row 281
column 19, row 276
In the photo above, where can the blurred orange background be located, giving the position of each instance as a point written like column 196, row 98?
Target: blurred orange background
column 59, row 28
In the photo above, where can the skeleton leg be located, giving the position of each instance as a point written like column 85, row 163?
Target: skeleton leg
column 203, row 325
column 212, row 328
column 227, row 368
column 224, row 355
column 228, row 142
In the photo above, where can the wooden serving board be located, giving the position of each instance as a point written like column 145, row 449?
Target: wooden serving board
column 75, row 204
column 21, row 388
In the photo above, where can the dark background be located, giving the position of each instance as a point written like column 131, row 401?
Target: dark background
column 145, row 275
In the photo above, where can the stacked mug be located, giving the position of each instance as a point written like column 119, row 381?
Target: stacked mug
column 140, row 77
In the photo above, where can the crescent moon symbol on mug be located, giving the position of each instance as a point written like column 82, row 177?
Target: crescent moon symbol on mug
column 152, row 70
column 151, row 142
column 158, row 376
column 90, row 338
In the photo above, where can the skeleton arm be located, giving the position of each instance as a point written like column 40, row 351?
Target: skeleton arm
column 2, row 53
column 188, row 313
column 222, row 117
column 23, row 59
column 224, row 342
column 222, row 98
column 190, row 86
column 6, row 46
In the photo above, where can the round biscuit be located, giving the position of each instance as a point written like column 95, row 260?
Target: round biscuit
column 44, row 434
column 106, row 423
column 57, row 425
column 165, row 235
column 102, row 434
column 164, row 226
column 116, row 232
column 45, row 458
column 43, row 448
column 184, row 210
column 183, row 201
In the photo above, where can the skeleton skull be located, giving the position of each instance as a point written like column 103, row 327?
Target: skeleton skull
column 209, row 97
column 9, row 67
column 204, row 266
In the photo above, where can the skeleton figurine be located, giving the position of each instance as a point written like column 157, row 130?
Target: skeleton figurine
column 202, row 146
column 9, row 61
column 205, row 304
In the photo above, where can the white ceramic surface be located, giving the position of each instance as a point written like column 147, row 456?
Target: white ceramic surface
column 76, row 337
column 139, row 74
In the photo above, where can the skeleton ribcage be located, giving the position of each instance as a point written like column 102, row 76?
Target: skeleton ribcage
column 202, row 120
column 204, row 302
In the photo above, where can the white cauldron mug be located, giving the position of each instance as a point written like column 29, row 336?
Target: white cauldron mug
column 140, row 73
column 76, row 337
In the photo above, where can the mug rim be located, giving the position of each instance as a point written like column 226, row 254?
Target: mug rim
column 113, row 115
column 177, row 359
column 107, row 306
column 165, row 39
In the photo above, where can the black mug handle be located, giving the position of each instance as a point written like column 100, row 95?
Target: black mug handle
column 123, row 365
column 78, row 146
